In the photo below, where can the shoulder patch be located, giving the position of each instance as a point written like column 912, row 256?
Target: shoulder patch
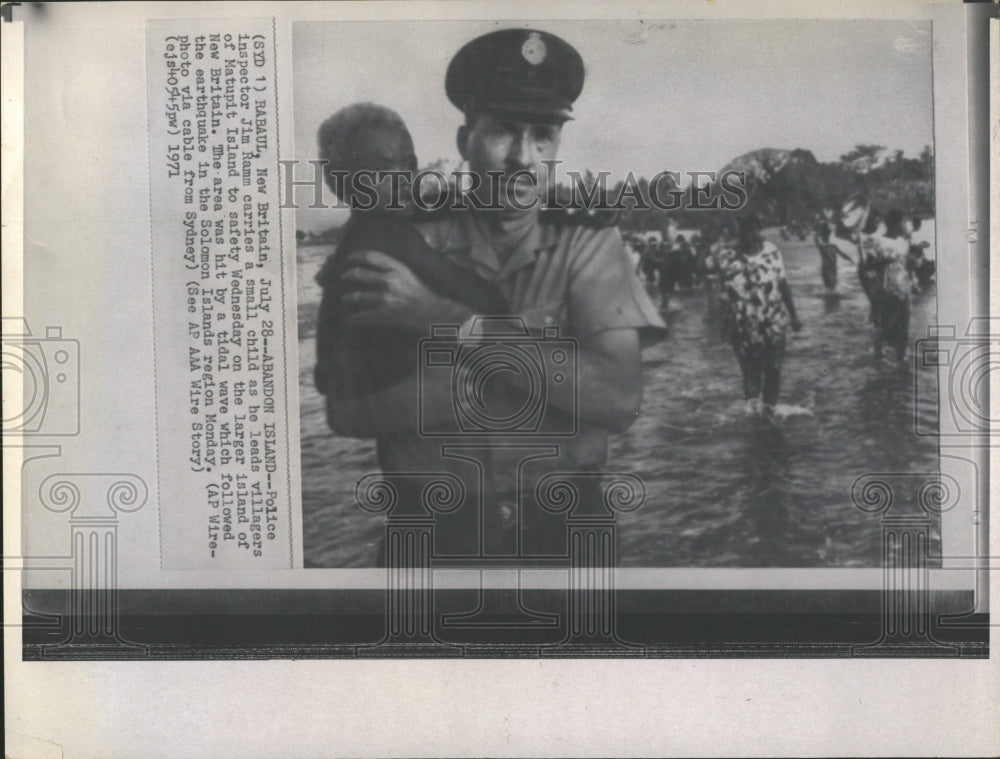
column 580, row 217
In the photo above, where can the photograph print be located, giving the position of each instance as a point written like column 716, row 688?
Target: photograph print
column 689, row 259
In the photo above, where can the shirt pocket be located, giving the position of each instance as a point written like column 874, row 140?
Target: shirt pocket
column 551, row 313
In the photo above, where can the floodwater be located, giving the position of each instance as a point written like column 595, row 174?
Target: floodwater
column 724, row 489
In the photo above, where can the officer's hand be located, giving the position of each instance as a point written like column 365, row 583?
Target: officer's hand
column 380, row 289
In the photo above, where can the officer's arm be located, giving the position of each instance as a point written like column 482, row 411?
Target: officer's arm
column 609, row 380
column 607, row 308
column 606, row 390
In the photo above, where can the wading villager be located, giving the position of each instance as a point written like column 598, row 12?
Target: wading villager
column 758, row 309
column 892, row 285
column 828, row 252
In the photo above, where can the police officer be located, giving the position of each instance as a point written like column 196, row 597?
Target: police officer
column 516, row 89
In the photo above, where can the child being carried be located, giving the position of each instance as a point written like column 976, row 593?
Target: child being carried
column 354, row 359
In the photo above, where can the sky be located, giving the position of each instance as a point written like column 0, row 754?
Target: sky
column 673, row 95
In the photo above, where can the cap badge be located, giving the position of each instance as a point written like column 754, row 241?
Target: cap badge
column 533, row 50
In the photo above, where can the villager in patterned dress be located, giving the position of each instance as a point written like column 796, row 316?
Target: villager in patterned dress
column 758, row 309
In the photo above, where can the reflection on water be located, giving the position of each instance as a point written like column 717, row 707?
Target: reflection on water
column 724, row 489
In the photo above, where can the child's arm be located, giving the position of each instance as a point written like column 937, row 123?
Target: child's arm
column 448, row 278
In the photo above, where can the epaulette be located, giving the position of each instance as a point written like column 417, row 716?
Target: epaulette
column 578, row 216
column 557, row 215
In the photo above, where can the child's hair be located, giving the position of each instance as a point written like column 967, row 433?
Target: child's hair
column 337, row 135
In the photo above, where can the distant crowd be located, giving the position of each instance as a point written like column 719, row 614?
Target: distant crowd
column 747, row 294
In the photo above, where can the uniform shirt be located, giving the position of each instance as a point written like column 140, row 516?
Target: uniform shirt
column 564, row 275
column 756, row 313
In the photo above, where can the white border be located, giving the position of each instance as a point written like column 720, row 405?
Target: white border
column 511, row 708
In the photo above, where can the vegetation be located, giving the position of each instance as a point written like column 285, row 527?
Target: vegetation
column 790, row 187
